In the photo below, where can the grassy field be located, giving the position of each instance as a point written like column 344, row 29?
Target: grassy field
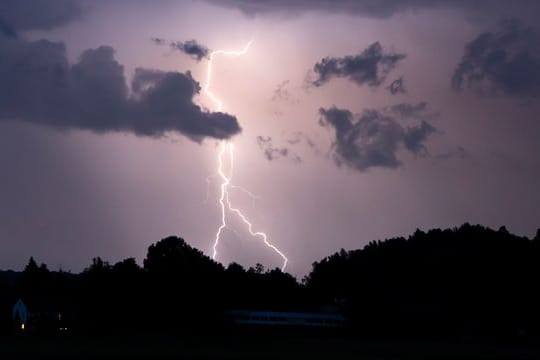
column 250, row 346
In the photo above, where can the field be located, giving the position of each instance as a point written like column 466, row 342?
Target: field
column 252, row 346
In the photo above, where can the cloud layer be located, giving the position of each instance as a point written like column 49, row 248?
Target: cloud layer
column 37, row 14
column 370, row 67
column 373, row 138
column 40, row 86
column 367, row 8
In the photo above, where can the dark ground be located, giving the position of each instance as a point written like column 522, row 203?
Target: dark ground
column 253, row 346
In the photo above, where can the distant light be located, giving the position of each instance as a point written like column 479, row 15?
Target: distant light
column 22, row 326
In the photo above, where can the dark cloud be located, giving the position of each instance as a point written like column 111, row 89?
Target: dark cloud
column 373, row 138
column 370, row 67
column 40, row 86
column 191, row 47
column 272, row 152
column 397, row 87
column 503, row 62
column 415, row 137
column 6, row 29
column 23, row 15
column 371, row 8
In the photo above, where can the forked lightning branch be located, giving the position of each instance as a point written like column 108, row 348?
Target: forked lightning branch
column 227, row 149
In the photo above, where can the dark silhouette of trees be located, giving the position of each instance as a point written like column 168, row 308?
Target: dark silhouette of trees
column 537, row 236
column 464, row 281
column 457, row 281
column 32, row 266
column 173, row 255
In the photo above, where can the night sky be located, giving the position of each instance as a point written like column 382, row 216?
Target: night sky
column 351, row 121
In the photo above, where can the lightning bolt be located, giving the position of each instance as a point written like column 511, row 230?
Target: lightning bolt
column 227, row 147
column 207, row 91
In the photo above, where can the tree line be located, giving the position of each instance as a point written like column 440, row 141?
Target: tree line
column 466, row 281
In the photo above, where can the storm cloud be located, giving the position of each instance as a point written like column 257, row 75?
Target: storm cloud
column 373, row 138
column 373, row 8
column 505, row 62
column 21, row 15
column 191, row 48
column 6, row 29
column 40, row 86
column 370, row 67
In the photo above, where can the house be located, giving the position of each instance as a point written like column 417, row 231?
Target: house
column 20, row 314
column 44, row 317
